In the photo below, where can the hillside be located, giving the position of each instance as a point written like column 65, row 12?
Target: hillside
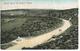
column 41, row 21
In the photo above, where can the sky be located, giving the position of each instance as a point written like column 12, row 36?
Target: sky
column 43, row 3
column 39, row 1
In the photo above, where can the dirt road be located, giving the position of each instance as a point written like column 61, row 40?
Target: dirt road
column 42, row 38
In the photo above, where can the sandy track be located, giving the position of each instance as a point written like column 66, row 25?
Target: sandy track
column 40, row 39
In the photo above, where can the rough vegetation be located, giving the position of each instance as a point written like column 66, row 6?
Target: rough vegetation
column 67, row 40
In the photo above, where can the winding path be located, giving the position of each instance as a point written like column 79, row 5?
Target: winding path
column 40, row 39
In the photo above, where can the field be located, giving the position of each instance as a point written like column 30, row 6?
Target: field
column 10, row 23
column 29, row 23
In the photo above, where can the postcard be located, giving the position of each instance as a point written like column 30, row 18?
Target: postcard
column 39, row 24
